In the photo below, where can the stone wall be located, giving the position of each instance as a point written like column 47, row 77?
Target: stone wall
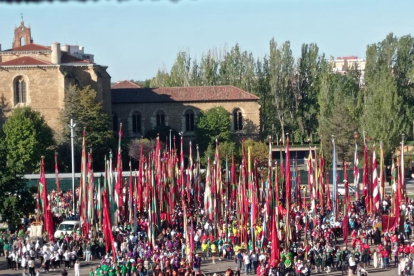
column 175, row 115
column 42, row 55
column 44, row 91
column 45, row 88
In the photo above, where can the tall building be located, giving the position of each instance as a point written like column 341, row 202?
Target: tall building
column 344, row 64
column 37, row 76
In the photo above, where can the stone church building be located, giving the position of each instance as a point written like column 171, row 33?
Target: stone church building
column 141, row 109
column 37, row 76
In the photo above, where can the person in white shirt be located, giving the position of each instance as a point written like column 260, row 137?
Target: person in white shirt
column 66, row 255
column 246, row 261
column 77, row 269
column 31, row 265
column 46, row 256
column 24, row 264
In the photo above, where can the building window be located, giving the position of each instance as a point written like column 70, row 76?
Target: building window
column 160, row 116
column 237, row 119
column 189, row 120
column 136, row 122
column 20, row 90
column 115, row 122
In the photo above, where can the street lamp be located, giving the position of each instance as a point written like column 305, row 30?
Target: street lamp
column 170, row 138
column 72, row 126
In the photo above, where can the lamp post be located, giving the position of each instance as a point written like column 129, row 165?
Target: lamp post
column 170, row 138
column 72, row 126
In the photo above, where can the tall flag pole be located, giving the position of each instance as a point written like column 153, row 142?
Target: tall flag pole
column 288, row 193
column 118, row 180
column 345, row 221
column 375, row 187
column 322, row 192
column 381, row 177
column 335, row 191
column 57, row 173
column 402, row 168
column 83, row 181
column 131, row 206
column 365, row 174
column 356, row 169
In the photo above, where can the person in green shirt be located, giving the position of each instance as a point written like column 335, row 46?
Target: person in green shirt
column 124, row 270
column 91, row 273
column 338, row 261
column 6, row 249
column 133, row 268
column 318, row 263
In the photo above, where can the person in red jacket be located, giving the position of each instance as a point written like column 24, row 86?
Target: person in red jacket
column 385, row 258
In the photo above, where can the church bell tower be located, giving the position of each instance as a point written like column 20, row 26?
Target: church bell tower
column 22, row 35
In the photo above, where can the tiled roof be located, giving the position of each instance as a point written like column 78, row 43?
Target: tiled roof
column 181, row 94
column 22, row 61
column 125, row 85
column 29, row 47
column 66, row 58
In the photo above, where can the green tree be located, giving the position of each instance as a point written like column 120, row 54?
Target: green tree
column 180, row 71
column 27, row 138
column 307, row 90
column 16, row 200
column 388, row 93
column 209, row 69
column 281, row 71
column 82, row 106
column 259, row 151
column 213, row 124
column 162, row 79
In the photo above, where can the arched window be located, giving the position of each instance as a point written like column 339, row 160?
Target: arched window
column 20, row 90
column 160, row 116
column 189, row 120
column 136, row 122
column 115, row 122
column 22, row 41
column 237, row 119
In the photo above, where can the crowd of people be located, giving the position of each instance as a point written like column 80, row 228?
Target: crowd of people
column 317, row 247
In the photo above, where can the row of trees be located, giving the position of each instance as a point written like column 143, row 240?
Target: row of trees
column 303, row 96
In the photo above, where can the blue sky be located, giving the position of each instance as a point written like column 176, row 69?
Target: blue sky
column 136, row 38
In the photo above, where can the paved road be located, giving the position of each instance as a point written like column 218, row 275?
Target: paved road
column 208, row 268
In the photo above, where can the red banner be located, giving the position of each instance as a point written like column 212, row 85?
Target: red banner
column 389, row 223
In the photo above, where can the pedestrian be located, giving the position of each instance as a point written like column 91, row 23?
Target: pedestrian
column 77, row 268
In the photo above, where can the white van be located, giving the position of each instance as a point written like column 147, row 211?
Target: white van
column 67, row 227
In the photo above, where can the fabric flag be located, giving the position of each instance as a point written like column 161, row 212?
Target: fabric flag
column 288, row 193
column 402, row 169
column 365, row 176
column 356, row 170
column 47, row 214
column 375, row 187
column 275, row 253
column 311, row 187
column 334, row 194
column 208, row 201
column 83, row 181
column 107, row 228
column 345, row 220
column 389, row 223
column 393, row 176
column 118, row 180
column 381, row 176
